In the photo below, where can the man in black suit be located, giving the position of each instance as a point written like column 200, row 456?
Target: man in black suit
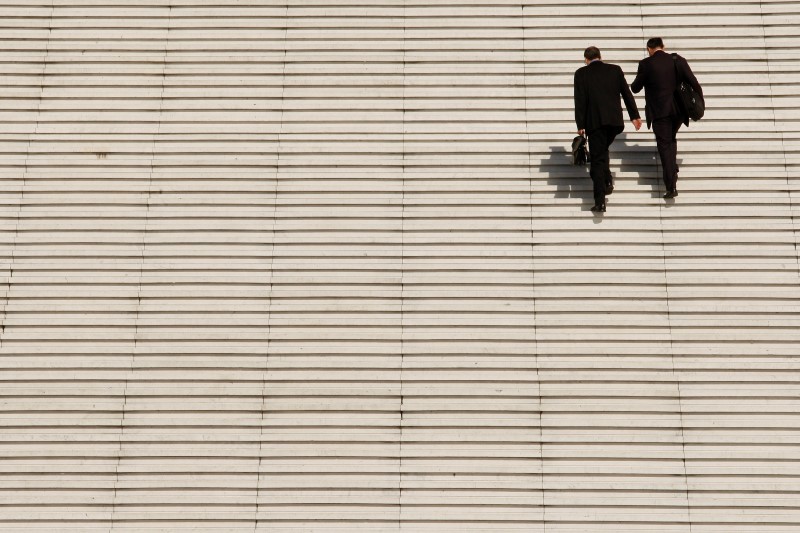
column 598, row 113
column 658, row 78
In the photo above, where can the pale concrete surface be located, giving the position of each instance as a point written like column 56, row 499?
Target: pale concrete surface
column 292, row 266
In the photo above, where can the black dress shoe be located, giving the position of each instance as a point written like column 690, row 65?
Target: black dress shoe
column 672, row 193
column 599, row 208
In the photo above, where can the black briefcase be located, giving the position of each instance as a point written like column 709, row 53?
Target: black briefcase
column 580, row 151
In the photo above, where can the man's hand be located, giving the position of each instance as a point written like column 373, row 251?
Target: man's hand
column 637, row 123
column 583, row 132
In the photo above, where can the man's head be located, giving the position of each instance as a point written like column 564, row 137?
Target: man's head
column 590, row 54
column 654, row 45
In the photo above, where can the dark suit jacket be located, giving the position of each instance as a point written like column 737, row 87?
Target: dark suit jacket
column 656, row 75
column 598, row 87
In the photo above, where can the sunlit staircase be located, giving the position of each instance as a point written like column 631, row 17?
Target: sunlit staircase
column 313, row 266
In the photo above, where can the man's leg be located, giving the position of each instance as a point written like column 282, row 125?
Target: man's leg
column 676, row 125
column 611, row 134
column 598, row 151
column 667, row 149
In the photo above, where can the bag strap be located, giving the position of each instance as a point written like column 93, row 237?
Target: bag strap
column 677, row 74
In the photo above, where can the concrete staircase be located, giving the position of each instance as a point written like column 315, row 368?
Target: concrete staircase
column 299, row 266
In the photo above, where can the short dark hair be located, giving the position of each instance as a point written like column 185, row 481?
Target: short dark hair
column 654, row 43
column 592, row 53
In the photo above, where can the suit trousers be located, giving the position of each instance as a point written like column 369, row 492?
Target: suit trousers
column 600, row 140
column 666, row 130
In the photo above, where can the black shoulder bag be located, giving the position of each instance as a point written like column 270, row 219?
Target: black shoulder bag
column 689, row 101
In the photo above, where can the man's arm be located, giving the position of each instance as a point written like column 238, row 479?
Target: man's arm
column 581, row 101
column 627, row 97
column 638, row 82
column 689, row 77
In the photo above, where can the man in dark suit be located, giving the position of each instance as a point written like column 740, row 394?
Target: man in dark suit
column 598, row 113
column 658, row 78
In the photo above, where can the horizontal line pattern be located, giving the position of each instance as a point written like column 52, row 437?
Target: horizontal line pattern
column 301, row 266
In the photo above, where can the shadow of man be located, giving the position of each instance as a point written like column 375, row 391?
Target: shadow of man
column 640, row 158
column 568, row 180
column 564, row 180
